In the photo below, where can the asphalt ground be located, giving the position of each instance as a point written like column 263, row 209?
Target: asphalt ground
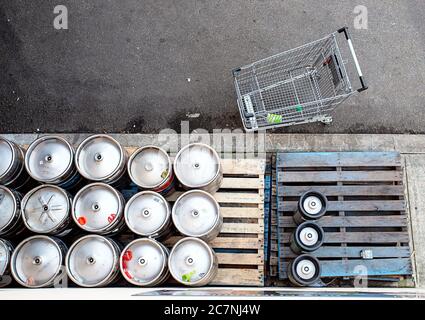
column 142, row 66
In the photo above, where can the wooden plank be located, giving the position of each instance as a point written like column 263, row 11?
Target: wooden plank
column 242, row 183
column 375, row 267
column 228, row 197
column 359, row 237
column 240, row 212
column 343, row 176
column 240, row 258
column 243, row 166
column 341, row 159
column 354, row 252
column 238, row 277
column 247, row 228
column 359, row 205
column 224, row 242
column 352, row 221
column 378, row 190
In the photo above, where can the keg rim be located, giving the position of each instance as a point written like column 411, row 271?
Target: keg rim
column 11, row 146
column 297, row 278
column 35, row 143
column 324, row 202
column 6, row 244
column 210, row 253
column 118, row 196
column 19, row 247
column 208, row 195
column 320, row 236
column 134, row 155
column 15, row 206
column 130, row 202
column 112, row 246
column 179, row 176
column 84, row 143
column 163, row 266
column 31, row 192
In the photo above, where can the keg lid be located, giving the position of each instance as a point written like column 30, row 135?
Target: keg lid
column 305, row 269
column 313, row 205
column 196, row 165
column 195, row 213
column 190, row 260
column 96, row 207
column 36, row 261
column 4, row 256
column 143, row 261
column 91, row 261
column 149, row 167
column 309, row 236
column 49, row 158
column 7, row 157
column 8, row 207
column 146, row 213
column 45, row 208
column 99, row 157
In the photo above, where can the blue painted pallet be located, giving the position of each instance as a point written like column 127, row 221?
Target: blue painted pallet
column 366, row 210
column 267, row 197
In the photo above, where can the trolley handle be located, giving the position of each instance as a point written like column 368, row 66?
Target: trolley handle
column 356, row 61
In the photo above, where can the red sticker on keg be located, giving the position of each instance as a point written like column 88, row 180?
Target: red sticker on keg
column 82, row 220
column 128, row 274
column 111, row 217
column 128, row 255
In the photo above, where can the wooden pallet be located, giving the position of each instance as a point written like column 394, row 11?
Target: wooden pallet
column 366, row 210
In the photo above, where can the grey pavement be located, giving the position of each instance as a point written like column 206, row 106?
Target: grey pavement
column 125, row 66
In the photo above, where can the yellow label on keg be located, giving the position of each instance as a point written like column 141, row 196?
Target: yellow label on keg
column 164, row 174
column 187, row 276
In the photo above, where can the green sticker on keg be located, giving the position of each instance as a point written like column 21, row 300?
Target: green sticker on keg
column 273, row 118
column 299, row 108
column 186, row 277
column 164, row 174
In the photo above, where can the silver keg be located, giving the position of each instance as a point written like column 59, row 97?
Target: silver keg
column 12, row 167
column 47, row 210
column 10, row 212
column 37, row 261
column 148, row 214
column 6, row 250
column 50, row 159
column 101, row 158
column 99, row 208
column 93, row 261
column 151, row 168
column 304, row 270
column 197, row 214
column 198, row 166
column 144, row 262
column 193, row 262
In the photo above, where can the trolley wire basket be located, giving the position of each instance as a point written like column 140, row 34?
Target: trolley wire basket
column 298, row 86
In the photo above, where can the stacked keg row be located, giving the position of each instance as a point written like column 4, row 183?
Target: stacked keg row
column 308, row 237
column 69, row 192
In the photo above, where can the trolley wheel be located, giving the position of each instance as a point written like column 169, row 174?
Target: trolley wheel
column 308, row 237
column 304, row 271
column 327, row 120
column 312, row 205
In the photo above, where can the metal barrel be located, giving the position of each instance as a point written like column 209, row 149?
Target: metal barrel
column 12, row 165
column 6, row 249
column 99, row 208
column 101, row 158
column 47, row 210
column 50, row 159
column 312, row 205
column 150, row 168
column 307, row 237
column 193, row 262
column 10, row 212
column 37, row 261
column 148, row 214
column 93, row 261
column 197, row 214
column 144, row 262
column 304, row 270
column 198, row 166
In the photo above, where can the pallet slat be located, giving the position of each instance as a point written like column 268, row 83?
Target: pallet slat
column 363, row 205
column 228, row 197
column 376, row 190
column 240, row 258
column 238, row 277
column 354, row 252
column 343, row 176
column 359, row 237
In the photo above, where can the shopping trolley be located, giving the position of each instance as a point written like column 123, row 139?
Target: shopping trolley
column 298, row 86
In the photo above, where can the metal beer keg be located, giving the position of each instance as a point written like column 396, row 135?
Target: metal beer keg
column 312, row 205
column 10, row 212
column 304, row 270
column 6, row 249
column 308, row 237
